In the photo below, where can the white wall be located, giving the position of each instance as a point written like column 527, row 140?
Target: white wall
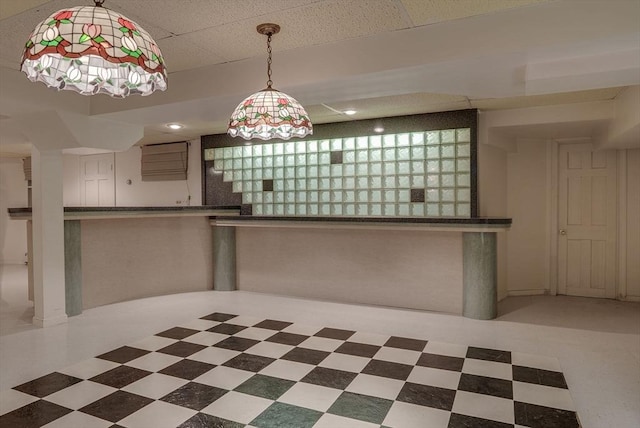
column 632, row 278
column 13, row 194
column 71, row 180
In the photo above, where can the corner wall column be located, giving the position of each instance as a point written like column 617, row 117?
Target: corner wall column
column 224, row 258
column 480, row 279
column 48, row 238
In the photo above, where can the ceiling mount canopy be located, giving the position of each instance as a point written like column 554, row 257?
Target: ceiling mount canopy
column 94, row 50
column 269, row 113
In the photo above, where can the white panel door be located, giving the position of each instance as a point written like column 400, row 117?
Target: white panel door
column 97, row 180
column 587, row 221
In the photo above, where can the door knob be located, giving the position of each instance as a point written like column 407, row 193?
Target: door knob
column 563, row 232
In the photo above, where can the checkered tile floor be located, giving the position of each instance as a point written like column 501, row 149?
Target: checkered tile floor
column 224, row 370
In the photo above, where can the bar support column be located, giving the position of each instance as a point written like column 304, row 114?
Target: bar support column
column 480, row 280
column 224, row 258
column 73, row 267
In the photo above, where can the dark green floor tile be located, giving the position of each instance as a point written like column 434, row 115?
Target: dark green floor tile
column 281, row 415
column 265, row 386
column 203, row 420
column 362, row 407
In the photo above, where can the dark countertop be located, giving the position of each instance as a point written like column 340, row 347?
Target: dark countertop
column 479, row 221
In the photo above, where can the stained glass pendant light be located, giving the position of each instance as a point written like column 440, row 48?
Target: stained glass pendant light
column 269, row 113
column 94, row 50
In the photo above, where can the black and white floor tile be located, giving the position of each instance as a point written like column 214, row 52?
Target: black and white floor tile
column 224, row 370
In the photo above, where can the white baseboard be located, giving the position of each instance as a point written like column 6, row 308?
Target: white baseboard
column 630, row 299
column 537, row 292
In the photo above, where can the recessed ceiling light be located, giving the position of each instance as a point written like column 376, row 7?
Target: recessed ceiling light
column 378, row 129
column 349, row 112
column 175, row 126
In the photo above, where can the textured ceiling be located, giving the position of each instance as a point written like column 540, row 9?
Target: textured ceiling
column 380, row 57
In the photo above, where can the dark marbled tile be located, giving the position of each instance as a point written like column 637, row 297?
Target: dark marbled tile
column 267, row 185
column 287, row 338
column 48, row 384
column 361, row 407
column 273, row 324
column 195, row 396
column 33, row 415
column 203, row 420
column 123, row 355
column 248, row 362
column 331, row 378
column 265, row 386
column 539, row 376
column 358, row 349
column 443, row 362
column 406, row 343
column 417, row 195
column 486, row 385
column 388, row 369
column 120, row 376
column 177, row 333
column 463, row 421
column 427, row 395
column 534, row 416
column 336, row 156
column 181, row 349
column 187, row 369
column 218, row 316
column 335, row 333
column 489, row 354
column 236, row 343
column 116, row 406
column 225, row 328
column 282, row 415
column 307, row 356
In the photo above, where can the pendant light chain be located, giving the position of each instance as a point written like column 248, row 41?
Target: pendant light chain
column 269, row 81
column 98, row 2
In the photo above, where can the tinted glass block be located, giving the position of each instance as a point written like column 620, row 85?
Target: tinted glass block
column 433, row 152
column 257, row 209
column 312, row 146
column 417, row 167
column 247, row 186
column 464, row 165
column 301, row 147
column 390, row 182
column 362, row 143
column 325, row 196
column 448, row 165
column 447, row 195
column 403, row 153
column 403, row 182
column 433, row 210
column 278, row 197
column 404, row 167
column 237, row 186
column 417, row 138
column 228, row 164
column 237, row 152
column 336, row 170
column 376, row 196
column 257, row 162
column 348, row 170
column 301, row 171
column 349, row 183
column 404, row 195
column 348, row 144
column 209, row 154
column 278, row 185
column 463, row 180
column 375, row 182
column 324, row 171
column 362, row 155
column 336, row 144
column 289, row 148
column 375, row 155
column 336, row 196
column 267, row 149
column 313, row 196
column 388, row 140
column 267, row 209
column 228, row 152
column 362, row 183
column 362, row 196
column 433, row 137
column 417, row 181
column 362, row 209
column 389, row 209
column 417, row 153
column 403, row 210
column 433, row 195
column 246, row 151
column 324, row 146
column 362, row 169
column 375, row 168
column 312, row 171
column 256, row 186
column 312, row 159
column 350, row 209
column 278, row 209
column 325, row 209
column 257, row 174
column 463, row 210
column 336, row 209
column 375, row 209
column 312, row 183
column 447, row 151
column 433, row 166
column 403, row 140
column 301, row 196
column 218, row 153
column 218, row 164
column 278, row 161
column 278, row 173
column 267, row 173
column 324, row 183
column 290, row 160
column 267, row 162
column 278, row 148
column 349, row 196
column 464, row 150
column 389, row 168
column 463, row 195
column 417, row 210
column 433, row 180
column 447, row 210
column 256, row 150
column 348, row 156
column 289, row 172
column 257, row 197
column 301, row 159
column 227, row 176
column 448, row 136
column 463, row 135
column 312, row 209
column 375, row 141
column 237, row 175
column 336, row 183
column 389, row 154
column 301, row 209
column 237, row 163
column 290, row 209
column 390, row 196
column 324, row 158
column 447, row 180
column 290, row 184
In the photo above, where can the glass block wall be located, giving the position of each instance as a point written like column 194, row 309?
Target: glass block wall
column 411, row 174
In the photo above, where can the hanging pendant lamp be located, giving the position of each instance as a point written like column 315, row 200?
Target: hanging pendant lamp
column 269, row 113
column 94, row 50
